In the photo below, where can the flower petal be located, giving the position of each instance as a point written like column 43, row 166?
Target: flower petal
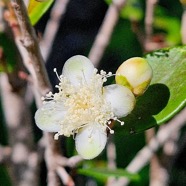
column 121, row 99
column 48, row 117
column 77, row 69
column 91, row 140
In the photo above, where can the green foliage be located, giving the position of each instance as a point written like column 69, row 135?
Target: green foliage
column 170, row 70
column 132, row 11
column 9, row 53
column 170, row 25
column 165, row 96
column 102, row 174
column 37, row 9
column 4, row 177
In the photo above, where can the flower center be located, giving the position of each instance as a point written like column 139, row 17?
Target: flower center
column 85, row 104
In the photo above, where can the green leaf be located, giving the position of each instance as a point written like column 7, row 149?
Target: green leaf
column 132, row 11
column 170, row 70
column 102, row 174
column 37, row 9
column 166, row 95
column 9, row 53
column 171, row 26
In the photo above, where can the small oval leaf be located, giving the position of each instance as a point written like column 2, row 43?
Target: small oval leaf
column 102, row 174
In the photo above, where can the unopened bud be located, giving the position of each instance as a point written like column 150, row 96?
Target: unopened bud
column 134, row 73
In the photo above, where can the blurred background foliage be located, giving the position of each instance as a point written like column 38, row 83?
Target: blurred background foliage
column 76, row 34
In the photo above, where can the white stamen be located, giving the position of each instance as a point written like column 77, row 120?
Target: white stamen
column 55, row 70
column 84, row 103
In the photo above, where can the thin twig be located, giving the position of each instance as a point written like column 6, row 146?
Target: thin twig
column 183, row 25
column 17, row 113
column 52, row 26
column 111, row 158
column 149, row 19
column 28, row 45
column 158, row 173
column 105, row 32
column 67, row 180
column 145, row 154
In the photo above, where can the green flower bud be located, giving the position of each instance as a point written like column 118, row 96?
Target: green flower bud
column 134, row 73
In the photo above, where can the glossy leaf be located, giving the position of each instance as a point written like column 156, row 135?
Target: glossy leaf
column 102, row 174
column 166, row 95
column 36, row 9
column 170, row 70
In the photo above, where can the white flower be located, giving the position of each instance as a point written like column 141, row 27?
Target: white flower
column 83, row 106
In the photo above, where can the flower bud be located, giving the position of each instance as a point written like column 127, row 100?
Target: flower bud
column 91, row 140
column 134, row 73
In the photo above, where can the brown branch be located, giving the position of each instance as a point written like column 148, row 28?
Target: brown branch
column 158, row 174
column 105, row 32
column 16, row 114
column 149, row 19
column 149, row 45
column 67, row 180
column 27, row 44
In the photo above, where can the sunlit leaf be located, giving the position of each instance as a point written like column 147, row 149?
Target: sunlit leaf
column 132, row 11
column 166, row 95
column 102, row 174
column 37, row 8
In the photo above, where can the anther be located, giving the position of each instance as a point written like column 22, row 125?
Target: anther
column 55, row 70
column 111, row 131
column 42, row 98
